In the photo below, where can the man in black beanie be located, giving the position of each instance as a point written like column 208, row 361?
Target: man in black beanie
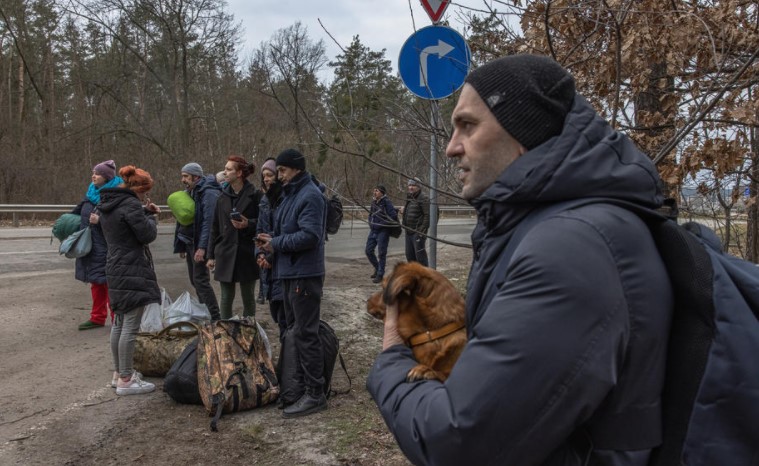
column 297, row 245
column 568, row 304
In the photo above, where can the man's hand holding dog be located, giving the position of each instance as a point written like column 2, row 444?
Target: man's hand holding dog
column 391, row 337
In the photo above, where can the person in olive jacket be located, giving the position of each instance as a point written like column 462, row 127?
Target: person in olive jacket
column 231, row 251
column 129, row 223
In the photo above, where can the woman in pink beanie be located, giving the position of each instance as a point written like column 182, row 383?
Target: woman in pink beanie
column 91, row 268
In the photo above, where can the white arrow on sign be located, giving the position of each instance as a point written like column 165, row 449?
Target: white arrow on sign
column 441, row 49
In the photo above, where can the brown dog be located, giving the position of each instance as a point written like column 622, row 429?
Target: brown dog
column 430, row 317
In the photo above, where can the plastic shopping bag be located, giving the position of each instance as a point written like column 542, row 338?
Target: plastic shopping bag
column 186, row 308
column 153, row 317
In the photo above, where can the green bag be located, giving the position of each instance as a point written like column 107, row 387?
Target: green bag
column 66, row 225
column 182, row 207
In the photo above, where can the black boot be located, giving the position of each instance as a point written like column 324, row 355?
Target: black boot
column 306, row 404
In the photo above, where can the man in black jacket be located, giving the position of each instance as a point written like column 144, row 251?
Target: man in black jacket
column 382, row 213
column 416, row 222
column 567, row 317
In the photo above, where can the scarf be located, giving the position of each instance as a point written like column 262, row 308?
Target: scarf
column 93, row 192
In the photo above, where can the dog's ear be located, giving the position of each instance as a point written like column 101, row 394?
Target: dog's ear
column 401, row 281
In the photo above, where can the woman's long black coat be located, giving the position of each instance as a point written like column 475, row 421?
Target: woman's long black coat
column 233, row 249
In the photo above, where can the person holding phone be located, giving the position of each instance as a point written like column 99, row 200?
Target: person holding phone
column 231, row 252
column 130, row 223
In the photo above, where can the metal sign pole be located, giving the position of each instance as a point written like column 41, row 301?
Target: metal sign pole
column 434, row 116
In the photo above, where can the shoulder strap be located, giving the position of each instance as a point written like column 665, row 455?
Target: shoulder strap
column 350, row 383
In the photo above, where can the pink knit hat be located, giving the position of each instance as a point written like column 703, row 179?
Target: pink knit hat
column 105, row 169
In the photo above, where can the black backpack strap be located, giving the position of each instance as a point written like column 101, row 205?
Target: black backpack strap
column 218, row 403
column 350, row 383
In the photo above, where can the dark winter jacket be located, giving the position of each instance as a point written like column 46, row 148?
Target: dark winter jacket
column 205, row 194
column 269, row 203
column 416, row 213
column 573, row 326
column 128, row 229
column 91, row 268
column 299, row 230
column 233, row 249
column 382, row 213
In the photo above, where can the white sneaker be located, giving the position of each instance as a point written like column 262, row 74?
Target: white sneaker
column 135, row 386
column 115, row 379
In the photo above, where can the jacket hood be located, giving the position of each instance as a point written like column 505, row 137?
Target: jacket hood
column 589, row 159
column 207, row 182
column 111, row 198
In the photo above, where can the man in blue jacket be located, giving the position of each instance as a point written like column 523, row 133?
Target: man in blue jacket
column 297, row 243
column 381, row 214
column 567, row 320
column 191, row 242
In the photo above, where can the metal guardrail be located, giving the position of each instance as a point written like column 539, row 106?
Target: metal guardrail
column 351, row 210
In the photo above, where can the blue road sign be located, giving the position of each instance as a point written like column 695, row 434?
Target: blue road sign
column 434, row 62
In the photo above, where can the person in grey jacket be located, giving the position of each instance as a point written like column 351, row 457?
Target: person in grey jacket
column 129, row 224
column 192, row 242
column 567, row 321
column 416, row 222
column 297, row 245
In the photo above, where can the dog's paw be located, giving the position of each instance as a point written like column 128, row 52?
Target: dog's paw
column 422, row 372
column 375, row 306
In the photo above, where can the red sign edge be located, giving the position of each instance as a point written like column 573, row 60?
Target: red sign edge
column 435, row 15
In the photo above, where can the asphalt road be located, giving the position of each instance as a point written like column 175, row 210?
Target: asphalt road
column 31, row 250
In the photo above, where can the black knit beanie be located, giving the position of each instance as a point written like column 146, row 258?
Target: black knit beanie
column 292, row 158
column 530, row 95
column 381, row 189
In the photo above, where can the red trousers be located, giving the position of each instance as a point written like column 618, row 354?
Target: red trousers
column 100, row 303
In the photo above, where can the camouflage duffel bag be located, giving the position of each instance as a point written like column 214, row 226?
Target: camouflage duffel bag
column 154, row 353
column 235, row 370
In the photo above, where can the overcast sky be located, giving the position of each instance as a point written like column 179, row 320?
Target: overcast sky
column 378, row 23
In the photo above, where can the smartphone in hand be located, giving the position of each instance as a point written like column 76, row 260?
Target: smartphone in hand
column 235, row 215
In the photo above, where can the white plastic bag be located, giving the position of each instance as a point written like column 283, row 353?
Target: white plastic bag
column 186, row 308
column 152, row 318
column 265, row 337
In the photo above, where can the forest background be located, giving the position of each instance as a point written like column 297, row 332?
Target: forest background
column 158, row 83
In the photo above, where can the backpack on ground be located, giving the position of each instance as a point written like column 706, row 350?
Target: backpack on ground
column 710, row 399
column 291, row 388
column 334, row 214
column 235, row 370
column 181, row 381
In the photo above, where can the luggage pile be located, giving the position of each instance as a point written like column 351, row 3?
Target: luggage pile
column 224, row 365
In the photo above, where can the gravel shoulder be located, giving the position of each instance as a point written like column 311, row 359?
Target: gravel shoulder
column 57, row 409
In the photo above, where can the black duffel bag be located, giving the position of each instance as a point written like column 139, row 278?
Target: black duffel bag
column 181, row 382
